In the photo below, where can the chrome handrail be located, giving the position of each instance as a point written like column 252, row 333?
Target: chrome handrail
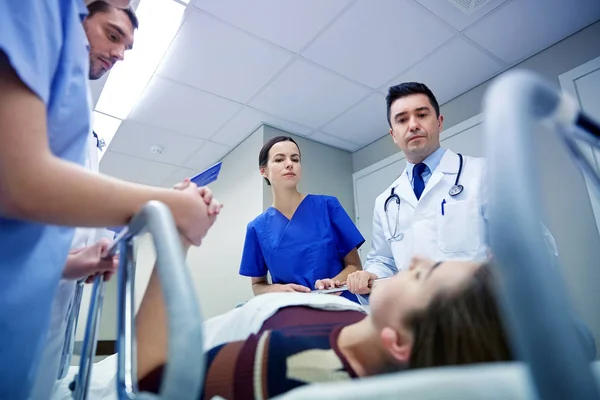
column 533, row 292
column 183, row 376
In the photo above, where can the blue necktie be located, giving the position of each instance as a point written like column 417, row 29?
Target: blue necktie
column 418, row 182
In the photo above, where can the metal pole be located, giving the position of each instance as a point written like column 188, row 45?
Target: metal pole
column 535, row 298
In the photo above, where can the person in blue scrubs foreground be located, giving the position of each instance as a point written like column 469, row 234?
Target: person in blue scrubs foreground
column 304, row 242
column 44, row 190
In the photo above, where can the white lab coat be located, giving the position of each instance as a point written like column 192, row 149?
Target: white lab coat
column 460, row 233
column 61, row 306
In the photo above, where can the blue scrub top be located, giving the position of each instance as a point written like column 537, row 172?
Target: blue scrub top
column 45, row 44
column 310, row 246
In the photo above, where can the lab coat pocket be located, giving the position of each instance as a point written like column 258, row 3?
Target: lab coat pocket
column 458, row 227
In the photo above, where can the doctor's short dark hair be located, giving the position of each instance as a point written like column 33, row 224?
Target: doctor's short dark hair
column 103, row 7
column 263, row 156
column 408, row 89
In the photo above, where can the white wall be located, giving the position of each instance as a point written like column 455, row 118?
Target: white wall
column 325, row 170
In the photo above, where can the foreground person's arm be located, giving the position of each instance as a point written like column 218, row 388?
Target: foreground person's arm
column 35, row 185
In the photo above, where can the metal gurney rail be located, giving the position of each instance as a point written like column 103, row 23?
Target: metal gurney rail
column 183, row 375
column 541, row 328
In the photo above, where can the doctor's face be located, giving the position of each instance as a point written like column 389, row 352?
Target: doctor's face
column 415, row 127
column 283, row 169
column 110, row 35
column 393, row 299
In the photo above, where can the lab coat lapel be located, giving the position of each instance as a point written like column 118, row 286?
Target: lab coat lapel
column 405, row 190
column 448, row 165
column 92, row 163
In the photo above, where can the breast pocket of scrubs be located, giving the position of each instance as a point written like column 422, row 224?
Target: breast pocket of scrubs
column 458, row 227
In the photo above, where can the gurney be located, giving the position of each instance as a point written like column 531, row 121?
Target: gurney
column 183, row 374
column 551, row 367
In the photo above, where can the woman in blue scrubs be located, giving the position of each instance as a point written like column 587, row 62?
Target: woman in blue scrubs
column 304, row 241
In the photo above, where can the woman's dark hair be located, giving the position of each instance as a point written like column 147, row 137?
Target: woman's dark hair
column 263, row 156
column 460, row 326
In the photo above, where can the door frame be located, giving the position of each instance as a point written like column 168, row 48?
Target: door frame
column 568, row 86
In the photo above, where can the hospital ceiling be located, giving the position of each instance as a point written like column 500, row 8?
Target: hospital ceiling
column 316, row 68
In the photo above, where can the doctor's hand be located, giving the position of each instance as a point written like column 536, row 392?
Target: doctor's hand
column 87, row 262
column 359, row 282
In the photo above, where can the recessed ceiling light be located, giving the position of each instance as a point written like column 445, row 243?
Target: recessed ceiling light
column 159, row 23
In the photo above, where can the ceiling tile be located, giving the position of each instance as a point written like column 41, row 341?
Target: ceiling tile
column 248, row 120
column 522, row 28
column 290, row 24
column 179, row 175
column 363, row 123
column 464, row 67
column 334, row 141
column 208, row 155
column 176, row 107
column 135, row 139
column 376, row 40
column 452, row 15
column 308, row 94
column 135, row 169
column 235, row 66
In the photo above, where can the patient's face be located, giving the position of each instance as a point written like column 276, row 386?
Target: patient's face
column 410, row 290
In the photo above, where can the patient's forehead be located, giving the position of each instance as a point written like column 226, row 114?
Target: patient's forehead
column 452, row 274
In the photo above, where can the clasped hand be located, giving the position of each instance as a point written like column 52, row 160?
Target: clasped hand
column 194, row 222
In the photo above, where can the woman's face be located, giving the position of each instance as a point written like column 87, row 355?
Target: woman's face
column 283, row 168
column 411, row 290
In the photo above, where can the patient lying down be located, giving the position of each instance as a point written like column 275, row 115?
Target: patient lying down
column 435, row 314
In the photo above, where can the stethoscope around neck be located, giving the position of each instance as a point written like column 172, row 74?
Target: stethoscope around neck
column 455, row 190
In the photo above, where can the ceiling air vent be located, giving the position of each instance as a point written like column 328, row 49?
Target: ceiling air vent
column 469, row 6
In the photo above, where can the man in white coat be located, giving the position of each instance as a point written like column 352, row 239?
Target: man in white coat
column 437, row 206
column 110, row 32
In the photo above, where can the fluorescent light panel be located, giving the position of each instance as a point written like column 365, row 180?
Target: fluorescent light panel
column 159, row 23
column 106, row 128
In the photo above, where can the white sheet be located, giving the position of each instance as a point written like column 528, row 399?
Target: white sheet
column 237, row 324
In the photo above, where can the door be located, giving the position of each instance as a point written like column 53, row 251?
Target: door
column 583, row 84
